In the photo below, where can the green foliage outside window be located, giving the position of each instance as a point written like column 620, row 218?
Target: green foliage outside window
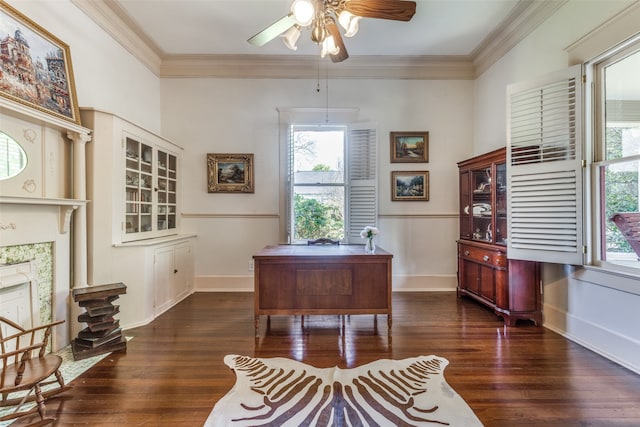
column 314, row 219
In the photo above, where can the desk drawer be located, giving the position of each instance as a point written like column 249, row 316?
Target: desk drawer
column 484, row 256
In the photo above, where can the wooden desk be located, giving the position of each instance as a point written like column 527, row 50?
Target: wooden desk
column 326, row 279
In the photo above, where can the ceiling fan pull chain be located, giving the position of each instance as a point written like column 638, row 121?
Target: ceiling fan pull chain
column 327, row 93
column 318, row 74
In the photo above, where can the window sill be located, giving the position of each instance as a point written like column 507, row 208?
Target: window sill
column 610, row 276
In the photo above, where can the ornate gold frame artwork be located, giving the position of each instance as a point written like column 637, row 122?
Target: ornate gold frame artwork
column 36, row 70
column 230, row 173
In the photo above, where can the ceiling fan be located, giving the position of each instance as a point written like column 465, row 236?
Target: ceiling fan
column 320, row 16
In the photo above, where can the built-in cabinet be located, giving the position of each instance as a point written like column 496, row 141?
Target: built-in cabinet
column 134, row 217
column 172, row 274
column 485, row 273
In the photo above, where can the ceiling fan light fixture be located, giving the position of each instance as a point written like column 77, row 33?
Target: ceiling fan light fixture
column 320, row 16
column 329, row 47
column 349, row 22
column 303, row 12
column 291, row 36
column 318, row 32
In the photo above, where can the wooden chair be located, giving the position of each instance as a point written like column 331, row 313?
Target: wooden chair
column 629, row 225
column 323, row 241
column 26, row 368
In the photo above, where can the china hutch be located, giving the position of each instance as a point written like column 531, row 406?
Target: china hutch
column 511, row 288
column 134, row 187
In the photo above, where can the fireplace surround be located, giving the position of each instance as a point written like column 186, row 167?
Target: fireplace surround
column 43, row 210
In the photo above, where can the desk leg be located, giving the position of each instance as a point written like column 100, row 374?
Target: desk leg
column 257, row 326
column 389, row 323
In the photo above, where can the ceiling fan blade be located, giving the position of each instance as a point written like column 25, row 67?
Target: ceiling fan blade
column 398, row 10
column 273, row 30
column 337, row 39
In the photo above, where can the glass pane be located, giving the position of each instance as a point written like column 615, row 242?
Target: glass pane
column 319, row 151
column 482, row 214
column 13, row 159
column 318, row 183
column 465, row 215
column 138, row 186
column 500, row 234
column 318, row 212
column 621, row 196
column 622, row 108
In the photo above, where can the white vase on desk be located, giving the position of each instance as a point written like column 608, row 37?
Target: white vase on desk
column 370, row 246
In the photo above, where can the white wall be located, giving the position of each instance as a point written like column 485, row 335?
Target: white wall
column 543, row 51
column 588, row 308
column 107, row 77
column 229, row 115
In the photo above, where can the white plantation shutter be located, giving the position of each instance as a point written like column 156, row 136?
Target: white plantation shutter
column 544, row 169
column 289, row 183
column 362, row 186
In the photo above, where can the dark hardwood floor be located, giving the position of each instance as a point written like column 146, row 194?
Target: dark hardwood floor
column 173, row 373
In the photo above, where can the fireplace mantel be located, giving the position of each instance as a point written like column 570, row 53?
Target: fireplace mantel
column 65, row 209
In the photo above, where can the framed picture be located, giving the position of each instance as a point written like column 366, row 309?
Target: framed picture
column 409, row 147
column 230, row 173
column 36, row 67
column 410, row 186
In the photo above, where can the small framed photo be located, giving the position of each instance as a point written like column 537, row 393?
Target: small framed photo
column 410, row 186
column 36, row 67
column 229, row 173
column 409, row 147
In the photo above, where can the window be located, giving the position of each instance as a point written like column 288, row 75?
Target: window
column 352, row 177
column 318, row 182
column 558, row 213
column 617, row 156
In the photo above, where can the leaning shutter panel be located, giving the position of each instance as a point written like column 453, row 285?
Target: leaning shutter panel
column 362, row 185
column 289, row 185
column 544, row 169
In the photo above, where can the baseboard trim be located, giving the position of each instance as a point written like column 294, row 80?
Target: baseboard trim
column 594, row 337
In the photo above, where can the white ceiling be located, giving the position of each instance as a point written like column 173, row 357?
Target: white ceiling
column 222, row 27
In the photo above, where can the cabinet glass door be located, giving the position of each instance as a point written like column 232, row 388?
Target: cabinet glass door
column 501, row 204
column 465, row 209
column 138, row 181
column 482, row 213
column 166, row 190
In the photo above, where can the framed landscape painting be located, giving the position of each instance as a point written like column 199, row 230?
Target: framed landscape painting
column 409, row 147
column 230, row 173
column 36, row 67
column 410, row 186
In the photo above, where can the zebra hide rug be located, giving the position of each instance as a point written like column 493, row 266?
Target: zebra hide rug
column 283, row 392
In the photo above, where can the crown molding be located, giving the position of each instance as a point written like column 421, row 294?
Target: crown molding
column 622, row 26
column 112, row 19
column 306, row 66
column 525, row 17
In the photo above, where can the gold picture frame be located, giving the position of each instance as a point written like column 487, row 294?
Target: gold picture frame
column 37, row 70
column 410, row 186
column 230, row 173
column 409, row 147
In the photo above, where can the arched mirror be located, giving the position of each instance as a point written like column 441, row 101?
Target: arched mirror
column 13, row 159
